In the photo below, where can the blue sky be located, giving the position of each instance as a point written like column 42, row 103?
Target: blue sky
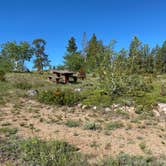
column 57, row 20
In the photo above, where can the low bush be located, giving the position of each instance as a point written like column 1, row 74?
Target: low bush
column 72, row 123
column 2, row 76
column 139, row 109
column 127, row 160
column 57, row 153
column 37, row 152
column 23, row 85
column 7, row 130
column 114, row 125
column 91, row 126
column 96, row 97
column 59, row 97
column 115, row 88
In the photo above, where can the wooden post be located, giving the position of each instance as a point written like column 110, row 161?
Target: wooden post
column 66, row 79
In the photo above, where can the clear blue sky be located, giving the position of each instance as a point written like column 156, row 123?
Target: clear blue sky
column 57, row 20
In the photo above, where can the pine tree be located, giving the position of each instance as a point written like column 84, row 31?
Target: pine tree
column 95, row 52
column 73, row 59
column 135, row 55
column 72, row 47
column 163, row 56
column 41, row 60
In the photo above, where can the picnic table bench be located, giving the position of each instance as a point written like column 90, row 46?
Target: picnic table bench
column 63, row 75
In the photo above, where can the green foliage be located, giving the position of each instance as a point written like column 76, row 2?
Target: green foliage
column 2, row 76
column 96, row 96
column 72, row 47
column 37, row 152
column 23, row 85
column 139, row 109
column 127, row 160
column 41, row 60
column 5, row 66
column 114, row 125
column 137, row 85
column 72, row 123
column 142, row 146
column 57, row 153
column 74, row 61
column 17, row 53
column 7, row 130
column 94, row 53
column 59, row 97
column 91, row 126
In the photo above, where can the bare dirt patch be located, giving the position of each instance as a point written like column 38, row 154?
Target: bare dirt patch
column 48, row 122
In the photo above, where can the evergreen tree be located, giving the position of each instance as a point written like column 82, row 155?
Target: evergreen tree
column 135, row 55
column 163, row 56
column 41, row 60
column 95, row 52
column 73, row 59
column 84, row 46
column 72, row 47
column 157, row 58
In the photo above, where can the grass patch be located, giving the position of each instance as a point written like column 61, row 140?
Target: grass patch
column 91, row 126
column 72, row 123
column 59, row 97
column 7, row 130
column 114, row 125
column 37, row 152
column 127, row 160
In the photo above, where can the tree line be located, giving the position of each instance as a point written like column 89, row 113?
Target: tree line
column 140, row 58
column 94, row 56
column 13, row 55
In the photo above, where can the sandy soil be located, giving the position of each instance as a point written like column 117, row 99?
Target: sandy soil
column 48, row 122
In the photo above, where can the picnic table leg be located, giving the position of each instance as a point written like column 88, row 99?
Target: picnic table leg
column 75, row 79
column 66, row 79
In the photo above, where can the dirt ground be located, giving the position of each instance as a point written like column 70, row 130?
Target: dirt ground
column 137, row 137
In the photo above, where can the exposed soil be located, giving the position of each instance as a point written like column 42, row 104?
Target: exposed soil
column 48, row 122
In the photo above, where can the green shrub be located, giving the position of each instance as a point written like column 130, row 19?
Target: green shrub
column 115, row 125
column 91, row 126
column 142, row 146
column 37, row 152
column 72, row 123
column 59, row 97
column 23, row 85
column 96, row 97
column 122, row 113
column 137, row 83
column 139, row 109
column 7, row 130
column 127, row 160
column 114, row 87
column 2, row 76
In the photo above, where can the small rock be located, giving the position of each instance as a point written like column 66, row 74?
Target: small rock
column 77, row 89
column 107, row 109
column 94, row 108
column 84, row 107
column 115, row 106
column 162, row 108
column 79, row 105
column 32, row 92
column 157, row 114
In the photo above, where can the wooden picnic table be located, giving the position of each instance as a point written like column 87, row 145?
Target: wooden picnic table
column 66, row 74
